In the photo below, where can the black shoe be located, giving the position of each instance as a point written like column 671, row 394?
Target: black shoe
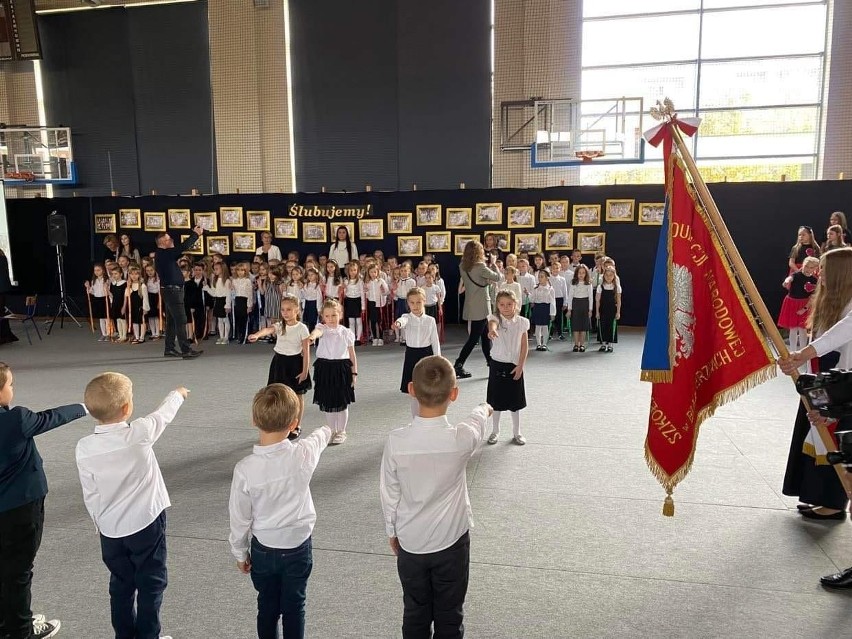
column 190, row 354
column 801, row 507
column 561, row 338
column 461, row 373
column 576, row 348
column 838, row 580
column 810, row 514
column 582, row 349
column 602, row 349
column 609, row 349
column 172, row 354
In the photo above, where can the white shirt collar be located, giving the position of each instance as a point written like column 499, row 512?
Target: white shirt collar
column 100, row 429
column 257, row 449
column 431, row 422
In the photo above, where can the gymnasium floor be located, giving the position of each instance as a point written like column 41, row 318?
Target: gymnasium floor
column 568, row 542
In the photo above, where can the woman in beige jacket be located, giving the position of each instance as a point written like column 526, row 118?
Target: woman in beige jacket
column 476, row 277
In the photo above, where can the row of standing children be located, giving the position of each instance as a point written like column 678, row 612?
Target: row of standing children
column 125, row 297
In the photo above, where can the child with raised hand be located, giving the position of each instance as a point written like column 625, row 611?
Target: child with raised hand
column 291, row 364
column 272, row 512
column 405, row 284
column 422, row 341
column 335, row 369
column 125, row 494
column 423, row 487
column 509, row 347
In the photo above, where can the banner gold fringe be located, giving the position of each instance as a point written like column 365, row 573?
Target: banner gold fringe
column 656, row 377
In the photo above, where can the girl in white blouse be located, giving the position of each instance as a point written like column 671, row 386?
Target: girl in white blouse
column 353, row 299
column 580, row 297
column 507, row 331
column 243, row 298
column 220, row 290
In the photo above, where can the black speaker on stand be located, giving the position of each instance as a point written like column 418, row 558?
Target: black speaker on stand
column 57, row 235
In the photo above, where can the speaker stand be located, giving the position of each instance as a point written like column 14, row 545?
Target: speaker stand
column 63, row 311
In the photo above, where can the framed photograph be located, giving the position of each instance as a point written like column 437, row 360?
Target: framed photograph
column 155, row 221
column 459, row 218
column 130, row 218
column 257, row 221
column 587, row 215
column 230, row 216
column 218, row 244
column 504, row 240
column 428, row 215
column 286, row 229
column 409, row 246
column 554, row 211
column 179, row 219
column 350, row 226
column 314, row 232
column 244, row 242
column 462, row 240
column 399, row 222
column 527, row 243
column 521, row 217
column 489, row 213
column 104, row 222
column 558, row 239
column 438, row 242
column 591, row 242
column 371, row 230
column 651, row 213
column 620, row 210
column 207, row 221
column 195, row 249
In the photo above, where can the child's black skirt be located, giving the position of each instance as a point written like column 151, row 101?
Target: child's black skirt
column 412, row 356
column 333, row 391
column 219, row 307
column 504, row 392
column 352, row 307
column 285, row 369
column 99, row 307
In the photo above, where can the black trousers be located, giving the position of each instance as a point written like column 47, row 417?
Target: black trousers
column 241, row 319
column 478, row 331
column 198, row 317
column 373, row 315
column 433, row 590
column 175, row 318
column 5, row 329
column 20, row 538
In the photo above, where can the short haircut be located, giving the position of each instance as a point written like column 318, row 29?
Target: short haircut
column 160, row 236
column 416, row 291
column 274, row 408
column 434, row 379
column 106, row 394
column 808, row 261
column 5, row 369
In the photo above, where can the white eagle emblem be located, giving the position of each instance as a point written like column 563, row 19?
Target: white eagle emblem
column 683, row 320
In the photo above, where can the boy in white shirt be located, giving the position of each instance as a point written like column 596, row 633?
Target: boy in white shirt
column 272, row 512
column 125, row 495
column 423, row 487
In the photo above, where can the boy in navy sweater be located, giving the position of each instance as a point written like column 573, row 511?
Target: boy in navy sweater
column 23, row 487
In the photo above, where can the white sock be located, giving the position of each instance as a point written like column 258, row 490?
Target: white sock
column 104, row 328
column 495, row 420
column 224, row 328
column 540, row 335
column 342, row 420
column 154, row 325
column 516, row 423
column 122, row 328
column 359, row 329
column 137, row 331
column 415, row 406
column 798, row 338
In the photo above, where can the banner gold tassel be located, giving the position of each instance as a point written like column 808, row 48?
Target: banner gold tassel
column 668, row 505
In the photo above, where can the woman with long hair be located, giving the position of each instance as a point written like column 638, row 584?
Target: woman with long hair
column 476, row 278
column 343, row 250
column 129, row 250
column 839, row 218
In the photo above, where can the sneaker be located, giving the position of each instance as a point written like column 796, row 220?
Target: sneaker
column 492, row 438
column 103, row 339
column 374, row 342
column 42, row 629
column 380, row 342
column 340, row 437
column 519, row 440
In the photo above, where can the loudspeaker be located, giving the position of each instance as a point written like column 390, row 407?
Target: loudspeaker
column 57, row 230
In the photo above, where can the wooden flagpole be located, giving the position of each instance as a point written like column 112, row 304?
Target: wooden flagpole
column 739, row 268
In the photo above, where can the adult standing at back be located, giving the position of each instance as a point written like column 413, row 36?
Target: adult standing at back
column 267, row 248
column 343, row 250
column 171, row 292
column 839, row 218
column 476, row 278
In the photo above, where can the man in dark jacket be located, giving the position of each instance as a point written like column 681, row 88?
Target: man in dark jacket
column 171, row 292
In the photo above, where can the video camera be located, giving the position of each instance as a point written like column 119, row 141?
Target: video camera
column 831, row 394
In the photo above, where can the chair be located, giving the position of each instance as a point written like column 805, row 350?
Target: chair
column 31, row 302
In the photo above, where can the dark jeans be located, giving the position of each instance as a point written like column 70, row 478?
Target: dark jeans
column 137, row 567
column 280, row 576
column 433, row 590
column 478, row 331
column 175, row 318
column 20, row 538
column 198, row 319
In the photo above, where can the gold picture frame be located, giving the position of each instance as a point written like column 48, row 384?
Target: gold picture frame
column 651, row 213
column 130, row 218
column 428, row 214
column 439, row 242
column 409, row 245
column 286, row 228
column 504, row 239
column 349, row 226
column 488, row 213
column 257, row 220
column 314, row 232
column 195, row 249
column 620, row 210
column 558, row 239
column 461, row 239
column 399, row 223
column 244, row 242
column 371, row 229
column 459, row 218
column 528, row 243
column 592, row 242
column 521, row 217
column 553, row 211
column 155, row 221
column 180, row 219
column 207, row 221
column 218, row 244
column 230, row 216
column 586, row 215
column 105, row 223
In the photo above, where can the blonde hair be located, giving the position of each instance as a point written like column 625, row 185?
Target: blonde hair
column 5, row 369
column 811, row 261
column 107, row 394
column 416, row 291
column 433, row 379
column 833, row 291
column 290, row 299
column 274, row 408
column 503, row 294
column 331, row 303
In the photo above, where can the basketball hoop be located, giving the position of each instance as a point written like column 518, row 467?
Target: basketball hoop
column 588, row 156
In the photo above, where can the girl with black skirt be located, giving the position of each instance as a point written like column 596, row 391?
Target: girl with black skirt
column 580, row 302
column 219, row 291
column 609, row 309
column 509, row 347
column 353, row 299
column 152, row 283
column 311, row 298
column 376, row 292
column 335, row 369
column 243, row 301
column 291, row 364
column 117, row 290
column 421, row 335
column 137, row 303
column 98, row 289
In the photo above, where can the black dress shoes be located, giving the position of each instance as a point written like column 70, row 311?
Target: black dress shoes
column 172, row 354
column 810, row 514
column 839, row 580
column 461, row 373
column 191, row 354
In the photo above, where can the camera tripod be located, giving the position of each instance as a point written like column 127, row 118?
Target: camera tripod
column 63, row 311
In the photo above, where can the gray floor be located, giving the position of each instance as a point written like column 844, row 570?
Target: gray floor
column 569, row 540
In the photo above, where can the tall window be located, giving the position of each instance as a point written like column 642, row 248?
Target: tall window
column 753, row 70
